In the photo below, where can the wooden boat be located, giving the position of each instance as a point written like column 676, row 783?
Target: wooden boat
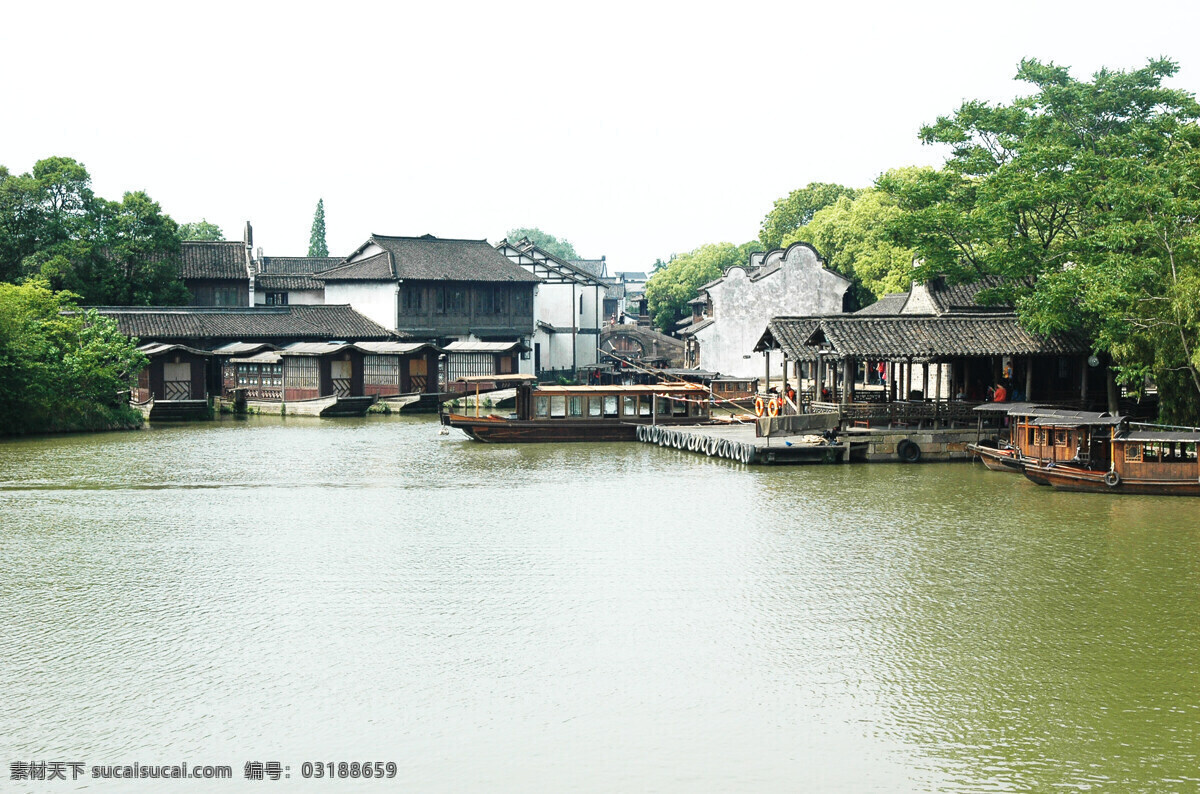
column 1041, row 435
column 996, row 457
column 1144, row 461
column 588, row 413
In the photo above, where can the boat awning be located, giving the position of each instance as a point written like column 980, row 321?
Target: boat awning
column 1166, row 436
column 485, row 347
column 159, row 348
column 394, row 348
column 265, row 357
column 1015, row 409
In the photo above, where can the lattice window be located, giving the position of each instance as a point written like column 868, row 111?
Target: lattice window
column 381, row 370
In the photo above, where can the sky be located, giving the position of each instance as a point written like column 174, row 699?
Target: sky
column 634, row 130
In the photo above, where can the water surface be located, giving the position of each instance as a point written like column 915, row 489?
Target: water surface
column 604, row 617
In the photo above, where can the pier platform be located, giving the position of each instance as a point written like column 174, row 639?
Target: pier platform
column 738, row 442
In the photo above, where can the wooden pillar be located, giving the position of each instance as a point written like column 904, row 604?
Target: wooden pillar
column 925, row 381
column 1083, row 380
column 785, row 374
column 908, row 379
column 1029, row 379
column 1111, row 384
column 891, row 384
column 847, row 380
column 767, row 371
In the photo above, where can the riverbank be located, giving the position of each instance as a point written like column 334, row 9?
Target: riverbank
column 93, row 419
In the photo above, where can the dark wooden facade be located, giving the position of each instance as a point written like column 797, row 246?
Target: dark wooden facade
column 174, row 372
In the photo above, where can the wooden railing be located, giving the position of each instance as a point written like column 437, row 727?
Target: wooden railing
column 902, row 414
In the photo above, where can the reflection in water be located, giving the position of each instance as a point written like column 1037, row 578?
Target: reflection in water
column 587, row 617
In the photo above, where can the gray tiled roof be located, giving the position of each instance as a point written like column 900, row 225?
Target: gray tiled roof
column 959, row 298
column 431, row 258
column 293, row 272
column 919, row 337
column 595, row 267
column 298, row 265
column 889, row 304
column 213, row 259
column 218, row 325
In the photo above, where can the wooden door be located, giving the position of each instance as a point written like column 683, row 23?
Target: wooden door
column 177, row 380
column 339, row 373
column 418, row 374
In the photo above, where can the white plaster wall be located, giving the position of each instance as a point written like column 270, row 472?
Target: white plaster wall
column 373, row 299
column 558, row 305
column 742, row 308
column 919, row 301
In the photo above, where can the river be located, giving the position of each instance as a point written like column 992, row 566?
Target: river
column 592, row 617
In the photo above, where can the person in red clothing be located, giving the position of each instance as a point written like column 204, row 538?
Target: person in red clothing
column 1000, row 394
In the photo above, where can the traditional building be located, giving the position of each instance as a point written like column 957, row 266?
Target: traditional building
column 288, row 280
column 219, row 272
column 936, row 348
column 568, row 310
column 732, row 311
column 436, row 289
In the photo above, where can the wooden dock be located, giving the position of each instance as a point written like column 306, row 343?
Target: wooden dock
column 738, row 442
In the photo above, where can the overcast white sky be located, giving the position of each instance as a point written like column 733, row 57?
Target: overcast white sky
column 632, row 129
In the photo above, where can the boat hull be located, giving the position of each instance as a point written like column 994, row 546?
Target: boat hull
column 1071, row 478
column 997, row 459
column 500, row 430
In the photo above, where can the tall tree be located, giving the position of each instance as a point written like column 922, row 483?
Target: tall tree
column 53, row 226
column 670, row 288
column 547, row 242
column 852, row 236
column 316, row 238
column 1088, row 190
column 200, row 230
column 796, row 209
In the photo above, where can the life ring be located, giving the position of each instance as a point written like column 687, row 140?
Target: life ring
column 908, row 452
column 1112, row 479
column 773, row 407
column 758, row 406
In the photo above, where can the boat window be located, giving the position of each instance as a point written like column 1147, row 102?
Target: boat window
column 1188, row 451
column 1133, row 453
column 542, row 407
column 610, row 405
column 1150, row 452
column 664, row 405
column 644, row 405
column 558, row 407
column 575, row 406
column 1032, row 437
column 1060, row 438
column 679, row 406
column 594, row 404
column 630, row 406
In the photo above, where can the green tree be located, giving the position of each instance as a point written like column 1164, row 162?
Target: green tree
column 852, row 236
column 200, row 230
column 316, row 238
column 1088, row 191
column 61, row 371
column 670, row 288
column 796, row 209
column 53, row 227
column 547, row 242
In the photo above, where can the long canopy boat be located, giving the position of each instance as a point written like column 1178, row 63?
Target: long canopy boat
column 588, row 413
column 1043, row 435
column 1146, row 459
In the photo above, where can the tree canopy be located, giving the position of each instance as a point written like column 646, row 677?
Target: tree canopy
column 60, row 371
column 200, row 230
column 316, row 238
column 851, row 234
column 1088, row 191
column 671, row 287
column 53, row 227
column 547, row 242
column 796, row 209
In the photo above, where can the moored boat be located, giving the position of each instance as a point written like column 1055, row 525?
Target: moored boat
column 1144, row 461
column 587, row 413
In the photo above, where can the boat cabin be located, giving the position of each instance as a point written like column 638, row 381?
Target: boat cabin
column 642, row 404
column 174, row 384
column 1157, row 455
column 1064, row 436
